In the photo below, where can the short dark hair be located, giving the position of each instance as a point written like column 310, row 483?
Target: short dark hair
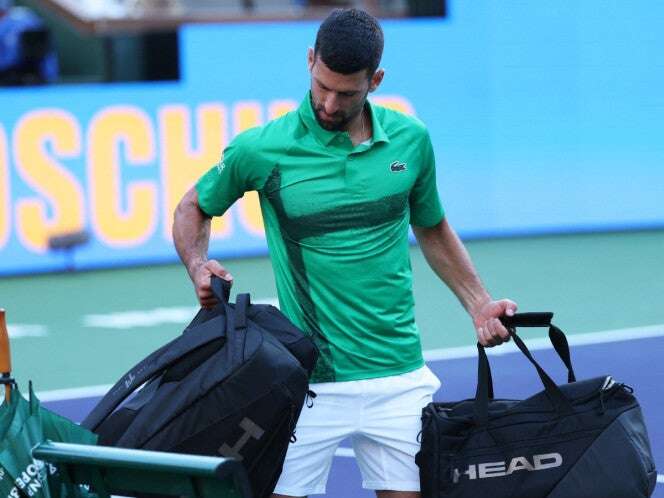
column 350, row 40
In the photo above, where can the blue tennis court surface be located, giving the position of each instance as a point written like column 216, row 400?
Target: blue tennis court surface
column 637, row 362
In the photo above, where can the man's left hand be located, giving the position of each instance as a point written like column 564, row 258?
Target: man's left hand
column 490, row 331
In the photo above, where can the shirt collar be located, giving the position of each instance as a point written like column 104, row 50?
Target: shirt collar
column 326, row 137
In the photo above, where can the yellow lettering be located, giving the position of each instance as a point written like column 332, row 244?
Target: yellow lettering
column 5, row 199
column 278, row 108
column 182, row 164
column 247, row 115
column 121, row 220
column 395, row 102
column 65, row 213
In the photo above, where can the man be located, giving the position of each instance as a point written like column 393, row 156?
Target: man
column 339, row 181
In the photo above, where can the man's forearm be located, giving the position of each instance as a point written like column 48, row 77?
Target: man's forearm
column 191, row 232
column 451, row 262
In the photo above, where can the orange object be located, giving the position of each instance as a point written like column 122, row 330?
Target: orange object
column 5, row 354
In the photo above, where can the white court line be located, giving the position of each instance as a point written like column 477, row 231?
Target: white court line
column 21, row 330
column 128, row 320
column 606, row 336
column 73, row 393
column 141, row 318
column 602, row 337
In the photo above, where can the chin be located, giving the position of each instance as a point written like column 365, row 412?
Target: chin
column 330, row 125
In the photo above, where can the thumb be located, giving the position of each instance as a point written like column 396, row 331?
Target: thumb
column 509, row 307
column 215, row 268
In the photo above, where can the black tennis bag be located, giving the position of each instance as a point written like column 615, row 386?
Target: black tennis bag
column 231, row 385
column 583, row 439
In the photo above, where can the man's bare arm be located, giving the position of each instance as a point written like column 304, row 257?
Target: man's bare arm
column 451, row 262
column 191, row 235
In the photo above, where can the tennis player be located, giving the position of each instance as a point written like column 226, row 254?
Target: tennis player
column 340, row 180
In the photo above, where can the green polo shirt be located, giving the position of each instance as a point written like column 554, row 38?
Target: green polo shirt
column 336, row 220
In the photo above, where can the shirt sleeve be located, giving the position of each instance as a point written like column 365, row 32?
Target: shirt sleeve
column 425, row 207
column 230, row 178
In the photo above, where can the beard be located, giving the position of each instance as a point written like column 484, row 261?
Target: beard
column 336, row 122
column 339, row 121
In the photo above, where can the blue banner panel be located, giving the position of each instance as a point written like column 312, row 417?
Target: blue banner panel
column 545, row 117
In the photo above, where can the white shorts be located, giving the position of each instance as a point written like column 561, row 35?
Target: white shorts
column 382, row 419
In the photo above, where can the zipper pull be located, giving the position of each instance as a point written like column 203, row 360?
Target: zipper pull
column 309, row 398
column 608, row 383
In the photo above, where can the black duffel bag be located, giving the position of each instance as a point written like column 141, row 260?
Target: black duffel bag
column 584, row 439
column 233, row 385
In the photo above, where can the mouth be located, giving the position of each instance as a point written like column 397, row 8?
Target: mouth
column 330, row 118
column 329, row 122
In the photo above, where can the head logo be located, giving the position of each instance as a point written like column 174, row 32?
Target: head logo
column 397, row 166
column 251, row 431
column 501, row 469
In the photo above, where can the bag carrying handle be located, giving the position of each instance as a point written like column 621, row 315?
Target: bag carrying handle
column 484, row 384
column 556, row 336
column 221, row 289
column 532, row 319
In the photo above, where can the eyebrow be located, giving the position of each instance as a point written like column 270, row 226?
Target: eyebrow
column 343, row 92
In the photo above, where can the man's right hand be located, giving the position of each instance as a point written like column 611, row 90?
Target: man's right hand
column 201, row 278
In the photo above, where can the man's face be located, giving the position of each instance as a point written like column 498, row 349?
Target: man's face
column 338, row 98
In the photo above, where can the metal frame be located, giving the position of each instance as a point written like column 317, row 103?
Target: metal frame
column 110, row 471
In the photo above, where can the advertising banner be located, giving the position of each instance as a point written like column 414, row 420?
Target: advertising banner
column 544, row 118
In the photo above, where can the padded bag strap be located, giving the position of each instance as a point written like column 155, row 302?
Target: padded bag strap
column 195, row 336
column 236, row 315
column 242, row 302
column 481, row 406
column 220, row 288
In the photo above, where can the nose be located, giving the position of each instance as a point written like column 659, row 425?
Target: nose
column 331, row 105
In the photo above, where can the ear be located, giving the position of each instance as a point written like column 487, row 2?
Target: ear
column 311, row 58
column 376, row 79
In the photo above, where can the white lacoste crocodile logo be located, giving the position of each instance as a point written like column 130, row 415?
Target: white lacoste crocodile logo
column 397, row 166
column 221, row 165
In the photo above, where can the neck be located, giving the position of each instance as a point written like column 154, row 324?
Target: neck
column 360, row 128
